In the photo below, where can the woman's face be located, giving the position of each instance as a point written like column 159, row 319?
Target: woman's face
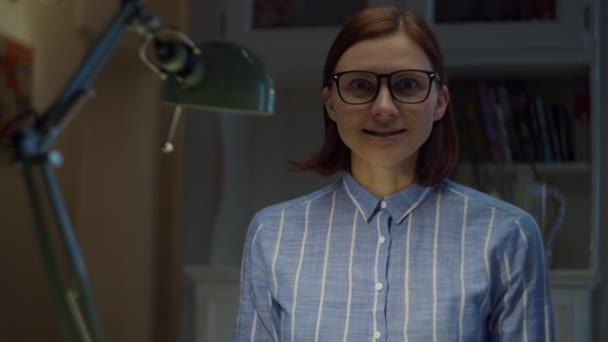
column 384, row 132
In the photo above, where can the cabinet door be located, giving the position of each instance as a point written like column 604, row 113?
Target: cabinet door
column 290, row 34
column 509, row 32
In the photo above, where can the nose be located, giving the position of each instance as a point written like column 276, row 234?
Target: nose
column 383, row 106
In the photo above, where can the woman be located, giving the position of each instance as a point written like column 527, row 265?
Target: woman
column 393, row 251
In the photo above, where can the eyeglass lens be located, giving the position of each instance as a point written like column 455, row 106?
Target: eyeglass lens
column 410, row 86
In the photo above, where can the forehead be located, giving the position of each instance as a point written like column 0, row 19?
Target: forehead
column 384, row 54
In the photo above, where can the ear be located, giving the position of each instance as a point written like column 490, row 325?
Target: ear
column 328, row 103
column 443, row 98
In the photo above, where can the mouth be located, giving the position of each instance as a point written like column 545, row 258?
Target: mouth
column 383, row 133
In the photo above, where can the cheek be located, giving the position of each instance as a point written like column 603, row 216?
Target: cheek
column 348, row 127
column 420, row 117
column 347, row 117
column 345, row 127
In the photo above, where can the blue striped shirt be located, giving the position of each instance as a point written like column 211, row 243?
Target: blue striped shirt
column 439, row 263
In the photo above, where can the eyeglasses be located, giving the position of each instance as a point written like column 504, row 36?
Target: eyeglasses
column 407, row 86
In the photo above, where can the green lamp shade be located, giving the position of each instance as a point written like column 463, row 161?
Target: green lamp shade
column 232, row 79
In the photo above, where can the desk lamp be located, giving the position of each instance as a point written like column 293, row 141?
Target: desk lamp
column 217, row 76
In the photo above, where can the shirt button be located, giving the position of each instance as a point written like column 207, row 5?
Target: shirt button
column 377, row 335
column 381, row 239
column 383, row 205
column 378, row 286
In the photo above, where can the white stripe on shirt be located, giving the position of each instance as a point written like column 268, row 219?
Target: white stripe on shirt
column 254, row 325
column 521, row 233
column 506, row 297
column 276, row 253
column 274, row 273
column 462, row 255
column 436, row 242
column 407, row 275
column 350, row 194
column 255, row 313
column 485, row 251
column 350, row 276
column 525, row 287
column 325, row 263
column 297, row 280
column 415, row 205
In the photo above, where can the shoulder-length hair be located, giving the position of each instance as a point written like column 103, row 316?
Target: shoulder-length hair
column 439, row 154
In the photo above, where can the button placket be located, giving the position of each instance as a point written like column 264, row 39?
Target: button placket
column 380, row 286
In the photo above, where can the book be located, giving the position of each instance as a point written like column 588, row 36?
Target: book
column 554, row 133
column 539, row 111
column 502, row 129
column 470, row 125
column 565, row 127
column 511, row 138
column 488, row 112
column 582, row 127
column 522, row 128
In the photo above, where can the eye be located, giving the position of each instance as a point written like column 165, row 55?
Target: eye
column 360, row 84
column 406, row 84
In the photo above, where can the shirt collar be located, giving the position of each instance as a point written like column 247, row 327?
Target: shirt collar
column 398, row 205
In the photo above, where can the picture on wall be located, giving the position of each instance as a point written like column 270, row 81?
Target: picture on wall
column 16, row 60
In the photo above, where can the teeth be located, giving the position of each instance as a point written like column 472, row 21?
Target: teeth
column 381, row 134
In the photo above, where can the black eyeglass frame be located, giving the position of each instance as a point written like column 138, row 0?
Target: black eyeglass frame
column 433, row 76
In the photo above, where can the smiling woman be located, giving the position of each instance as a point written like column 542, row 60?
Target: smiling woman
column 352, row 261
column 413, row 48
column 385, row 132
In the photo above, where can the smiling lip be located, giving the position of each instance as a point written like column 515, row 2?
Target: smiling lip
column 383, row 133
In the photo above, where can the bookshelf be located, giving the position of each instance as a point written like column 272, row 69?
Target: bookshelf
column 521, row 76
column 522, row 80
column 531, row 127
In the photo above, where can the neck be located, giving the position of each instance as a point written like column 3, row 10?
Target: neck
column 383, row 181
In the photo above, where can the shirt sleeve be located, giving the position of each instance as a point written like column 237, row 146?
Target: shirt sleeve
column 255, row 308
column 522, row 309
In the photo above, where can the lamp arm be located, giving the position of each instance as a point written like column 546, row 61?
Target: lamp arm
column 131, row 12
column 74, row 306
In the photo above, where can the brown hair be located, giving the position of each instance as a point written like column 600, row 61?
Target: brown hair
column 439, row 154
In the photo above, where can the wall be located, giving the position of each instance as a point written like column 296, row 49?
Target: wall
column 600, row 295
column 116, row 183
column 203, row 153
column 51, row 32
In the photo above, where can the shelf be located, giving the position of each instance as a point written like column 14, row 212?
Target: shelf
column 523, row 63
column 576, row 167
column 573, row 278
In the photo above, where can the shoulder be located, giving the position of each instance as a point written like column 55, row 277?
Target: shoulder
column 272, row 213
column 507, row 221
column 480, row 199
